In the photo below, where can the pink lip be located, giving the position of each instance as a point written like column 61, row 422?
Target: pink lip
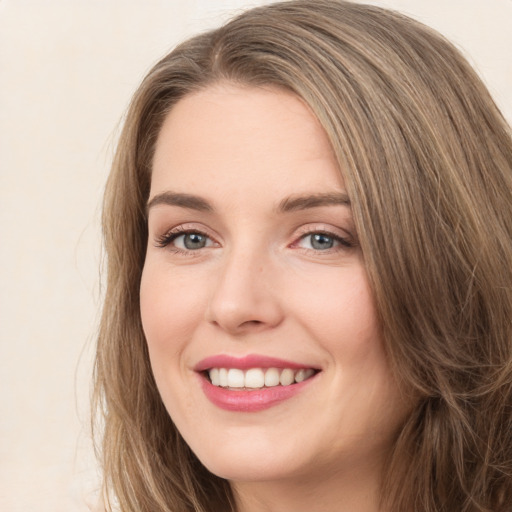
column 250, row 401
column 243, row 400
column 246, row 362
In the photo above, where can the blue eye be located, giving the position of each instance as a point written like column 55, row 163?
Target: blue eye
column 191, row 241
column 185, row 241
column 318, row 241
column 321, row 241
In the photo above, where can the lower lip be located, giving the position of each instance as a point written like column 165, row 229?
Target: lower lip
column 250, row 401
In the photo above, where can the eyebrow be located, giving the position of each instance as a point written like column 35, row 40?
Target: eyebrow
column 289, row 204
column 178, row 199
column 295, row 203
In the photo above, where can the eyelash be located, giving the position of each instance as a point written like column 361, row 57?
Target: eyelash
column 166, row 240
column 344, row 242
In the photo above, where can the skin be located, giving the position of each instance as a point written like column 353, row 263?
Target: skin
column 260, row 286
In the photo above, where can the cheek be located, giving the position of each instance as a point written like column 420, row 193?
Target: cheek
column 170, row 310
column 340, row 315
column 338, row 309
column 170, row 313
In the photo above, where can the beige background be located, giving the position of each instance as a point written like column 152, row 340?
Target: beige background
column 67, row 69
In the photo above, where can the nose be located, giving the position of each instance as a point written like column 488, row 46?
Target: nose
column 245, row 298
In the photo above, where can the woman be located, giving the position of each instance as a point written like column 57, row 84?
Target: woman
column 309, row 234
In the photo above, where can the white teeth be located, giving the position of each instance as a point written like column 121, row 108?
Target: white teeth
column 254, row 378
column 214, row 376
column 300, row 375
column 257, row 378
column 272, row 377
column 304, row 374
column 223, row 377
column 236, row 378
column 287, row 377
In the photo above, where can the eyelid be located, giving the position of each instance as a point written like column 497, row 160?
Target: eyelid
column 165, row 239
column 345, row 238
column 328, row 229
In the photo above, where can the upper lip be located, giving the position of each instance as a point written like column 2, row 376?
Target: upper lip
column 246, row 362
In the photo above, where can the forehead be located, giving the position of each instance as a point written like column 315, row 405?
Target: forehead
column 243, row 139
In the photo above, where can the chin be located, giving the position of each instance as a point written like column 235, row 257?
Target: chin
column 244, row 469
column 253, row 461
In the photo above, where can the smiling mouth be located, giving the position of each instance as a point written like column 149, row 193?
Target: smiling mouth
column 257, row 378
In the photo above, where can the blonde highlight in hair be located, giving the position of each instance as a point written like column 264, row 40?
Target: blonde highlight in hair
column 427, row 161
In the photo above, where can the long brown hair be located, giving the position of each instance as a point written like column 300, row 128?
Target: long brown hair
column 427, row 161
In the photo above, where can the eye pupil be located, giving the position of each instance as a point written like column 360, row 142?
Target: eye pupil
column 194, row 241
column 321, row 241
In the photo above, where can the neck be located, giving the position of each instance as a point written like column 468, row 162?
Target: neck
column 355, row 490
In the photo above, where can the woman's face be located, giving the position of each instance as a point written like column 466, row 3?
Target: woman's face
column 254, row 279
